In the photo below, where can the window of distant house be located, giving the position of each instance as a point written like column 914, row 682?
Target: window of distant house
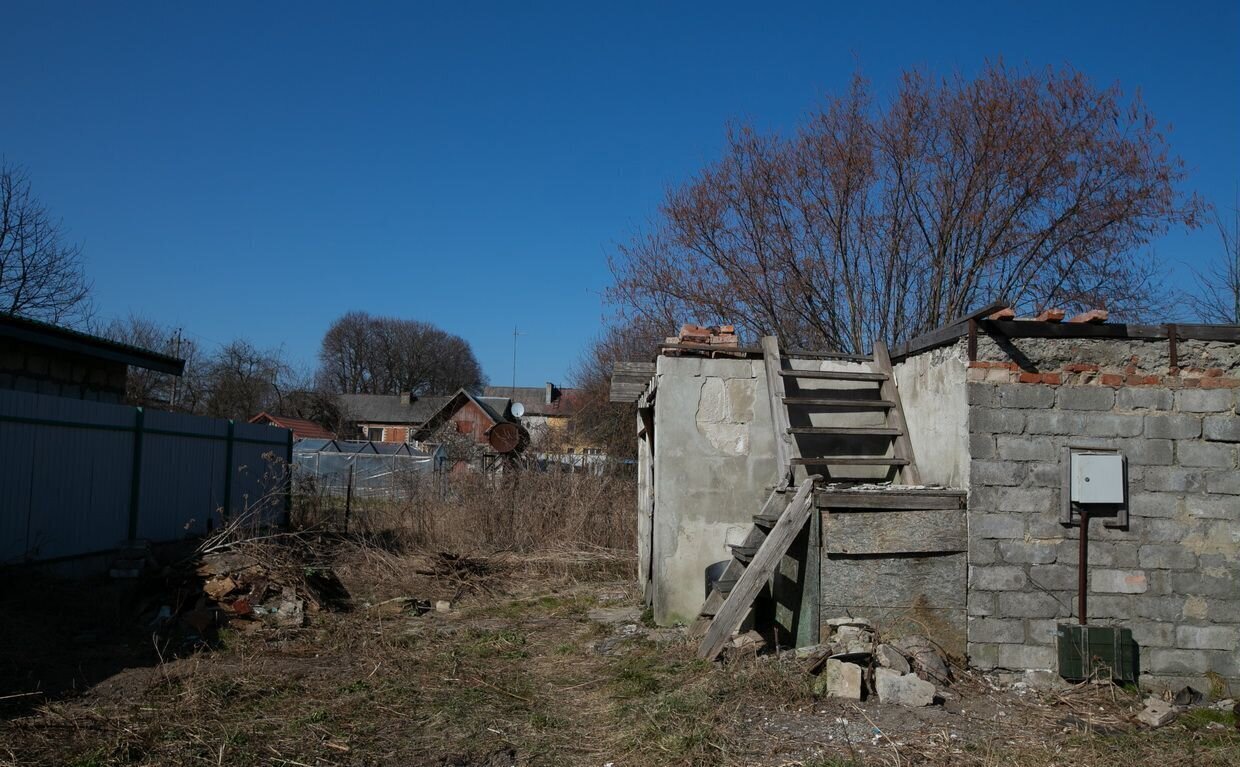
column 375, row 434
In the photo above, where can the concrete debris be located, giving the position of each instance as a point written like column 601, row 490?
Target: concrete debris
column 443, row 606
column 1227, row 704
column 611, row 616
column 836, row 623
column 840, row 680
column 750, row 641
column 902, row 689
column 1157, row 712
column 926, row 660
column 889, row 657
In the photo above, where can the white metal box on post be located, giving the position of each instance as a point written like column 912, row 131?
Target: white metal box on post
column 1098, row 478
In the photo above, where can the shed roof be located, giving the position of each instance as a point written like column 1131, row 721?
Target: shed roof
column 302, row 428
column 388, row 408
column 63, row 339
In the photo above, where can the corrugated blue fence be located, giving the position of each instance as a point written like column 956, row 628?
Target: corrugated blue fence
column 80, row 477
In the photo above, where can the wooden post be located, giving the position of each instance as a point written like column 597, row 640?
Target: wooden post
column 135, row 477
column 348, row 499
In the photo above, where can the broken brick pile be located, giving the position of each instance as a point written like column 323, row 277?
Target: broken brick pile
column 723, row 336
column 1085, row 373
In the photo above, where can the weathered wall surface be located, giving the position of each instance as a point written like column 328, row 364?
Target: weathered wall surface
column 1173, row 576
column 39, row 370
column 714, row 465
column 935, row 406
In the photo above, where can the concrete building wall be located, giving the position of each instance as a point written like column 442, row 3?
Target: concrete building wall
column 38, row 369
column 714, row 463
column 932, row 388
column 1173, row 576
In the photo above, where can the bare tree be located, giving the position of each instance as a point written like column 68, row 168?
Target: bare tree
column 876, row 223
column 240, row 381
column 40, row 273
column 148, row 388
column 363, row 354
column 1217, row 298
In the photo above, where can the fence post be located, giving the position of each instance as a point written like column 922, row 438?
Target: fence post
column 228, row 472
column 348, row 499
column 135, row 477
column 288, row 478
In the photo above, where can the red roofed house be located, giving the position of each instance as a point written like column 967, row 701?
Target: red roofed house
column 301, row 428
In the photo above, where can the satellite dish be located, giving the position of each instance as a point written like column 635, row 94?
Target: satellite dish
column 518, row 409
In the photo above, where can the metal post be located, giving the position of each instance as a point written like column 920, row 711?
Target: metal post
column 228, row 472
column 1082, row 571
column 348, row 499
column 135, row 477
column 288, row 478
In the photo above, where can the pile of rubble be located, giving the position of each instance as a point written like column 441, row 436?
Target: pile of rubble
column 853, row 663
column 722, row 336
column 1159, row 711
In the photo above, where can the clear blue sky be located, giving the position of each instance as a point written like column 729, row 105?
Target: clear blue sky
column 256, row 169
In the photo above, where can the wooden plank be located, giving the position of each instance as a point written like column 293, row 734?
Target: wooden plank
column 863, row 431
column 785, row 446
column 734, row 608
column 903, row 446
column 841, row 501
column 947, row 333
column 849, row 460
column 834, row 375
column 864, row 404
column 1031, row 329
column 634, row 368
column 895, row 532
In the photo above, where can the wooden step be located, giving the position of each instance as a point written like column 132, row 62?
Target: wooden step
column 863, row 404
column 834, row 375
column 850, row 460
column 765, row 520
column 743, row 553
column 725, row 585
column 866, row 431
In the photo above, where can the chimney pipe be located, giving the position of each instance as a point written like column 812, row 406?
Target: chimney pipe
column 550, row 396
column 406, row 397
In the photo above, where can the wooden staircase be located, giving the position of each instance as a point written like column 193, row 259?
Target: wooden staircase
column 828, row 448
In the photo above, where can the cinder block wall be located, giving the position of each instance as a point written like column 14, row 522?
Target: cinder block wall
column 1173, row 576
column 39, row 370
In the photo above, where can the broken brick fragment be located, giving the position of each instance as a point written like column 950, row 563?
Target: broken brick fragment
column 1094, row 316
column 1050, row 315
column 1006, row 313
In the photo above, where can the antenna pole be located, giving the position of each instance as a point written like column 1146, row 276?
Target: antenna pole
column 513, row 393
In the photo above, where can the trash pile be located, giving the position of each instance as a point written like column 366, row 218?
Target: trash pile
column 852, row 663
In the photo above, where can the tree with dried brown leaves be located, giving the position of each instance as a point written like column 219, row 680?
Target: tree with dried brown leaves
column 879, row 222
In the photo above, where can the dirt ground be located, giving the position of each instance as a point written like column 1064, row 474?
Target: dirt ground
column 540, row 660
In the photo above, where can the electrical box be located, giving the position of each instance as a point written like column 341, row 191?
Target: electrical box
column 1098, row 478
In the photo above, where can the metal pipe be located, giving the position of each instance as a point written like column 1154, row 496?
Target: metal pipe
column 1082, row 571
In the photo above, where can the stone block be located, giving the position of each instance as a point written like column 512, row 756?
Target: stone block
column 1109, row 606
column 1055, row 422
column 1101, row 553
column 1027, row 552
column 1085, row 398
column 1025, row 396
column 1223, row 610
column 902, row 689
column 983, row 552
column 981, row 446
column 1114, row 425
column 840, row 680
column 1210, row 507
column 1118, row 581
column 1058, row 577
column 1025, row 656
column 983, row 656
column 1173, row 426
column 1223, row 482
column 889, row 657
column 1133, row 398
column 1045, row 475
column 1161, row 556
column 1173, row 479
column 1149, row 452
column 1033, row 604
column 997, row 578
column 981, row 394
column 1201, row 584
column 982, row 603
column 995, row 473
column 1041, row 631
column 1206, row 637
column 1020, row 499
column 1204, row 400
column 1213, row 455
column 1153, row 634
column 984, row 420
column 997, row 526
column 1224, row 428
column 1161, row 505
column 1014, row 448
column 1164, row 661
column 1161, row 608
column 995, row 630
column 1162, row 530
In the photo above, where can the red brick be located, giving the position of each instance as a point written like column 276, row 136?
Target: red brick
column 1213, row 372
column 1190, row 383
column 1094, row 316
column 1081, row 367
column 1050, row 315
column 1220, row 383
column 982, row 364
column 1007, row 313
column 1111, row 379
column 1052, row 378
column 1030, row 378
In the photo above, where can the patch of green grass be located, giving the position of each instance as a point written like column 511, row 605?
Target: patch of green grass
column 1200, row 718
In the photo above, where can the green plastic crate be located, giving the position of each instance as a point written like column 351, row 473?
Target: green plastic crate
column 1091, row 651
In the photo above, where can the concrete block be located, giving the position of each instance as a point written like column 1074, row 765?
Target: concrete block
column 982, row 603
column 997, row 526
column 1033, row 604
column 1201, row 584
column 1018, row 656
column 1118, row 581
column 1214, row 455
column 1041, row 631
column 1085, row 398
column 997, row 578
column 840, row 680
column 1223, row 610
column 1132, row 398
column 1030, row 553
column 1162, row 505
column 995, row 473
column 1223, row 482
column 1025, row 396
column 1161, row 608
column 1055, row 422
column 1173, row 479
column 1211, row 507
column 1162, row 530
column 889, row 657
column 1152, row 633
column 1033, row 499
column 1102, row 554
column 1106, row 606
column 1173, row 426
column 983, row 656
column 1165, row 661
column 981, row 394
column 995, row 630
column 1161, row 556
column 1114, row 425
column 1204, row 400
column 1013, row 448
column 1224, row 428
column 983, row 552
column 986, row 420
column 1044, row 475
column 1207, row 637
column 1045, row 528
column 902, row 689
column 981, row 446
column 1149, row 452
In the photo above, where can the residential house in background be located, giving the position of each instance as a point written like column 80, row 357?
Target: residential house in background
column 42, row 358
column 301, row 427
column 547, row 414
column 399, row 417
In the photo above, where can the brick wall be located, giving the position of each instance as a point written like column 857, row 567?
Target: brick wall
column 1173, row 576
column 39, row 370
